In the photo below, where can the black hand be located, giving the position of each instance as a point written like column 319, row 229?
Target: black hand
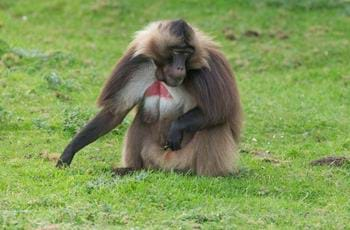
column 174, row 137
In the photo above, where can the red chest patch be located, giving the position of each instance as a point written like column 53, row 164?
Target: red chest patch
column 158, row 89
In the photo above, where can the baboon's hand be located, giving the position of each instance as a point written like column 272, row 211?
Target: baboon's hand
column 174, row 137
column 62, row 164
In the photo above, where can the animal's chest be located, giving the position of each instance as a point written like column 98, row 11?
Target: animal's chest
column 161, row 101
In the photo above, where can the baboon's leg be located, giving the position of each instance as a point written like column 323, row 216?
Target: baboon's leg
column 131, row 154
column 134, row 140
column 215, row 152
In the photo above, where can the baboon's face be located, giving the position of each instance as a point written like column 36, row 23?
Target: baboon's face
column 174, row 69
column 173, row 64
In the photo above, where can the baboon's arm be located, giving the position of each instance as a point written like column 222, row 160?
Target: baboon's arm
column 101, row 124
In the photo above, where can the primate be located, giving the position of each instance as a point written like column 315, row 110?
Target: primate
column 188, row 108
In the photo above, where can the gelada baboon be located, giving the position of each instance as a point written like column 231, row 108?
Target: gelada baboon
column 188, row 108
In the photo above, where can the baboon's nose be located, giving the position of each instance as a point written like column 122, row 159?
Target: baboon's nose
column 179, row 72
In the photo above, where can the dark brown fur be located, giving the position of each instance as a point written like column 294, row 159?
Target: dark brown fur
column 216, row 92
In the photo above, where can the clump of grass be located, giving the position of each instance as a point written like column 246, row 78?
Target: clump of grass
column 75, row 119
column 4, row 47
column 5, row 115
column 53, row 80
column 42, row 123
column 121, row 129
column 10, row 60
column 33, row 60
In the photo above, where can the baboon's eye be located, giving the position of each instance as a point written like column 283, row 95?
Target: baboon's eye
column 185, row 52
column 170, row 59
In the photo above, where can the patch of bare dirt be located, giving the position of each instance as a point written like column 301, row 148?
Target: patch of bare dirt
column 266, row 156
column 279, row 34
column 252, row 33
column 62, row 96
column 229, row 34
column 49, row 156
column 331, row 161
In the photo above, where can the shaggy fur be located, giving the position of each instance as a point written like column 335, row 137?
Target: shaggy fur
column 206, row 105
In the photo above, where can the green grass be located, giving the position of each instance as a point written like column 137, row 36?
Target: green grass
column 55, row 56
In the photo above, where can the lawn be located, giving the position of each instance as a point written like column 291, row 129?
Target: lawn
column 292, row 63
